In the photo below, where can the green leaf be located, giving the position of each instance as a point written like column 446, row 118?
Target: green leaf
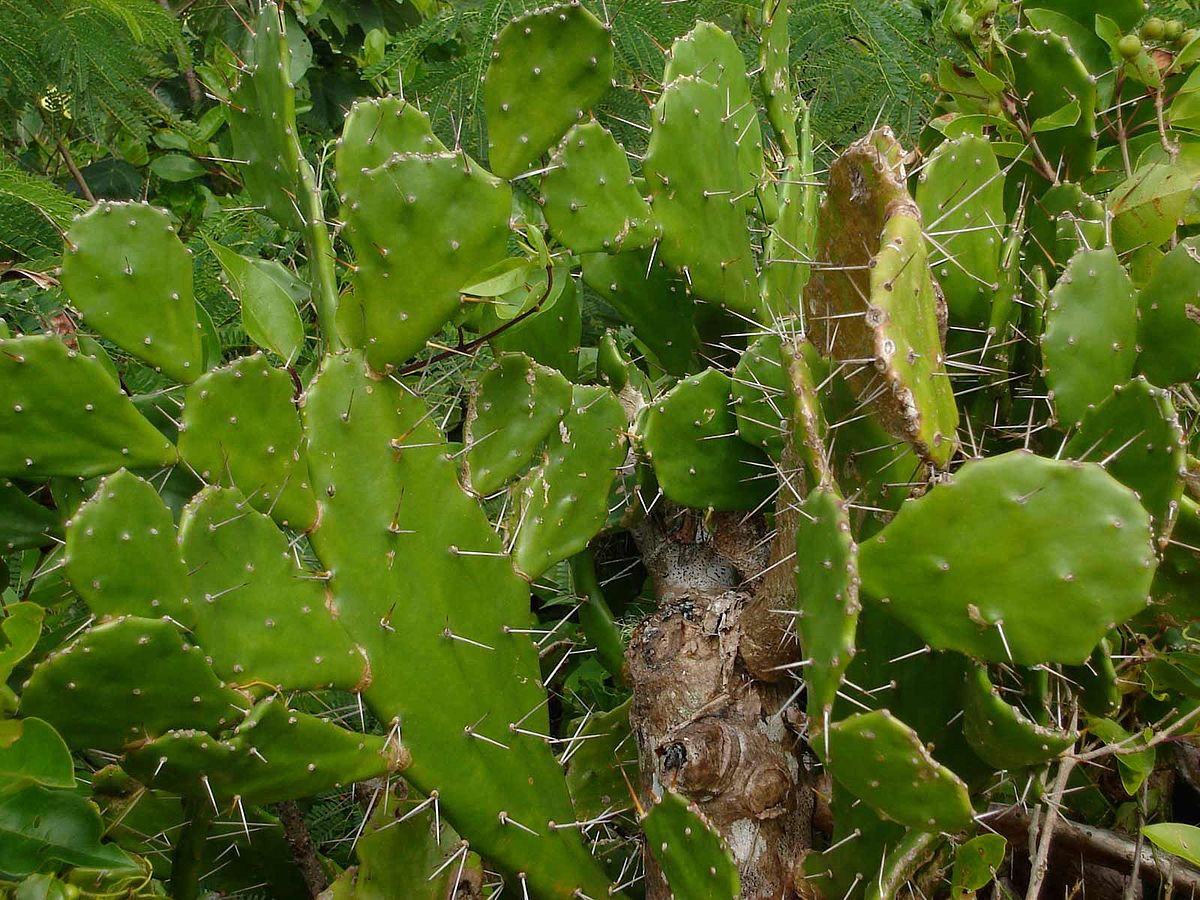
column 39, row 825
column 1063, row 117
column 19, row 630
column 976, row 862
column 268, row 293
column 1134, row 768
column 176, row 167
column 499, row 278
column 31, row 749
column 1181, row 840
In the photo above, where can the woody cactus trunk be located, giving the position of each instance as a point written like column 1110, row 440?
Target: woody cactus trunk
column 878, row 505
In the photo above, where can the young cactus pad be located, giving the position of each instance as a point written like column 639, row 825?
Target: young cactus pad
column 1089, row 570
column 130, row 276
column 548, row 68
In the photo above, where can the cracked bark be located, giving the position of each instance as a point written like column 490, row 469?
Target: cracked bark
column 705, row 725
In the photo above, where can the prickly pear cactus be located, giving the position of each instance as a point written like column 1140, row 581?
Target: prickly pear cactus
column 715, row 516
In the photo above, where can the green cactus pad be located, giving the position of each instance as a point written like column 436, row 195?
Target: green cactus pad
column 125, row 681
column 826, row 595
column 882, row 761
column 810, row 432
column 691, row 438
column 548, row 68
column 262, row 122
column 130, row 276
column 375, row 128
column 516, row 405
column 24, row 523
column 589, row 197
column 1090, row 342
column 1099, row 692
column 1061, row 221
column 697, row 186
column 860, row 842
column 421, row 226
column 647, row 295
column 762, row 396
column 1000, row 733
column 401, row 853
column 72, row 417
column 241, row 428
column 1051, row 76
column 598, row 767
column 563, row 503
column 275, row 754
column 420, row 579
column 259, row 617
column 1135, row 435
column 710, row 53
column 692, row 856
column 1169, row 326
column 1089, row 569
column 121, row 555
column 871, row 298
column 908, row 343
column 961, row 196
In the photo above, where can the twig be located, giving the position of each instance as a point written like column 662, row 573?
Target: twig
column 1041, row 856
column 1098, row 847
column 75, row 173
column 304, row 854
column 480, row 341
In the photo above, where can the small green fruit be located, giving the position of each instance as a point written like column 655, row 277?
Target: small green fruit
column 1154, row 28
column 1174, row 30
column 962, row 25
column 1129, row 46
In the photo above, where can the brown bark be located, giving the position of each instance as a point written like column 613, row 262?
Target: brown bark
column 704, row 725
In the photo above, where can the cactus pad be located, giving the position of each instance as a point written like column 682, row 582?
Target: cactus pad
column 420, row 578
column 259, row 616
column 651, row 299
column 548, row 68
column 1135, row 433
column 691, row 438
column 1050, row 75
column 692, row 856
column 1090, row 342
column 125, row 681
column 563, row 503
column 697, row 189
column 72, row 417
column 826, row 595
column 961, row 196
column 1169, row 326
column 710, row 53
column 421, row 226
column 1089, row 570
column 275, row 754
column 121, row 556
column 130, row 276
column 241, row 428
column 882, row 761
column 762, row 396
column 589, row 197
column 516, row 406
column 262, row 122
column 376, row 128
column 871, row 298
column 1000, row 733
